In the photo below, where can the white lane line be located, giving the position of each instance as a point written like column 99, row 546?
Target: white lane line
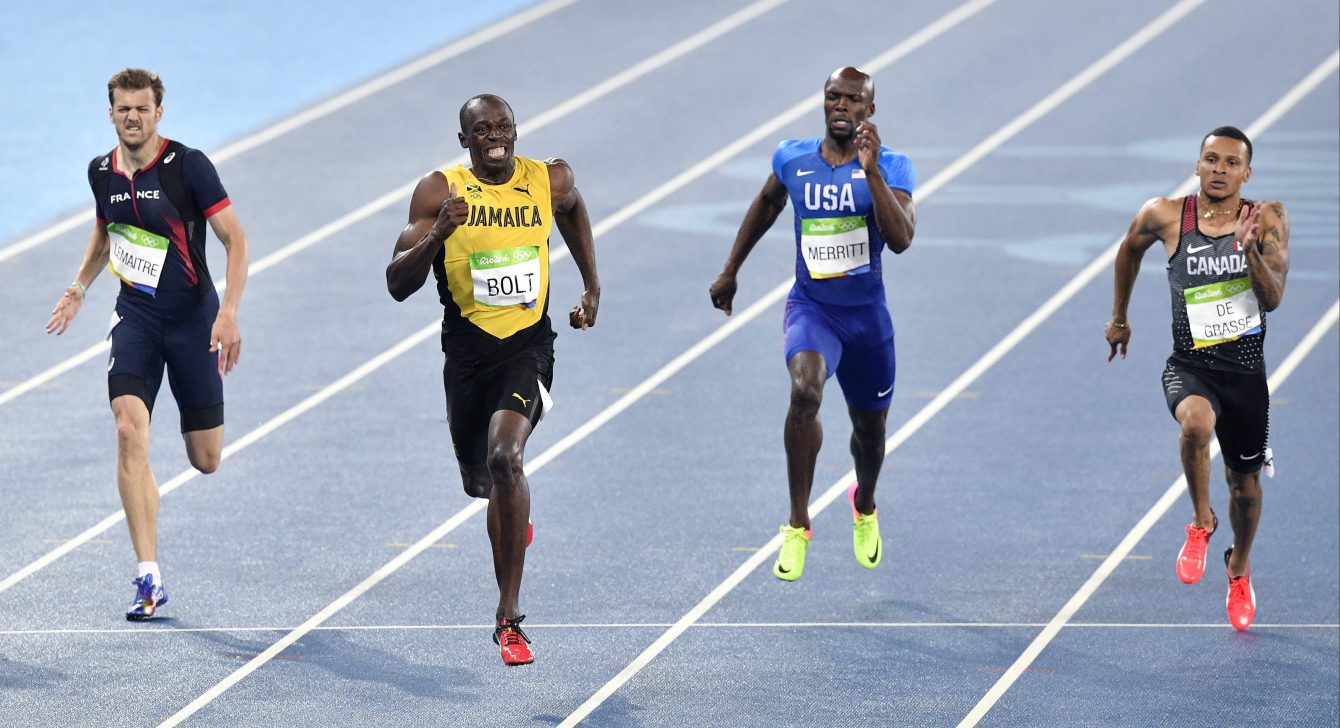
column 401, row 193
column 1174, row 492
column 562, row 445
column 323, row 109
column 432, row 327
column 138, row 632
column 1121, row 52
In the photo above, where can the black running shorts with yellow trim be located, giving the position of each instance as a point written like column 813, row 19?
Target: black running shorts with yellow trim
column 1241, row 403
column 519, row 383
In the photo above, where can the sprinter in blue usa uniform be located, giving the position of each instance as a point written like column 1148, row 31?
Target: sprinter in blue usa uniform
column 153, row 198
column 852, row 199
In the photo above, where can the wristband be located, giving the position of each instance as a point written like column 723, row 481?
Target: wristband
column 83, row 289
column 1116, row 325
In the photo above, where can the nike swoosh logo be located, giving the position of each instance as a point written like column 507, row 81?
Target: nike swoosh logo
column 783, row 569
column 1248, row 457
column 1198, row 248
column 875, row 555
column 885, row 392
column 803, row 172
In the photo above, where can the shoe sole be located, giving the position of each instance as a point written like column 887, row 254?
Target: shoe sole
column 143, row 617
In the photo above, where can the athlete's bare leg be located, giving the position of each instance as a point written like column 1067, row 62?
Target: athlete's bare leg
column 1244, row 511
column 509, row 505
column 134, row 476
column 204, row 448
column 1197, row 419
column 804, row 433
column 867, row 449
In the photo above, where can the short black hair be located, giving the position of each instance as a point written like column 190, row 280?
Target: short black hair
column 1231, row 132
column 482, row 97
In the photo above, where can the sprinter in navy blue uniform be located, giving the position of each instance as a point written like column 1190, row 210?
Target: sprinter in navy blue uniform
column 153, row 197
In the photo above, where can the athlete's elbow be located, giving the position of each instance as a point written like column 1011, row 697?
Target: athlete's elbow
column 398, row 290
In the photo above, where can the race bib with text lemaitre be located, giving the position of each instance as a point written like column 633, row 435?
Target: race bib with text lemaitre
column 507, row 278
column 137, row 256
column 835, row 246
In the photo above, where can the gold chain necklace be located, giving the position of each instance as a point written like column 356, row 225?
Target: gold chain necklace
column 1211, row 213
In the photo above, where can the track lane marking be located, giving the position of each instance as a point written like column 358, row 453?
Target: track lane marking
column 915, row 41
column 403, row 192
column 1080, row 81
column 408, row 70
column 1175, row 491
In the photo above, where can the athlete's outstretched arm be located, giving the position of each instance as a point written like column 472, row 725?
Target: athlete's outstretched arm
column 1264, row 234
column 895, row 215
column 1145, row 229
column 95, row 259
column 435, row 211
column 575, row 227
column 225, row 337
column 763, row 212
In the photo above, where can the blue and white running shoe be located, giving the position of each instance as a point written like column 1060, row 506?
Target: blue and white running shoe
column 148, row 598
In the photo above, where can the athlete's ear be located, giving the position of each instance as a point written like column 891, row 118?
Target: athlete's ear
column 461, row 135
column 158, row 114
column 871, row 111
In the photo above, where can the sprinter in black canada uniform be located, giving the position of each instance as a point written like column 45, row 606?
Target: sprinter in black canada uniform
column 153, row 197
column 1228, row 258
column 484, row 233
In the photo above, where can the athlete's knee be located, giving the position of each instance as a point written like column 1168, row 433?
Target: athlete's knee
column 206, row 462
column 132, row 436
column 476, row 481
column 868, row 426
column 1198, row 428
column 504, row 461
column 476, row 487
column 806, row 396
column 1244, row 488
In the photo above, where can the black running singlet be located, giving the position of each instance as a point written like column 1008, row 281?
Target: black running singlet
column 1217, row 321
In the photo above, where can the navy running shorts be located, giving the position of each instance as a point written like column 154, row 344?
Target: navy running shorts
column 145, row 342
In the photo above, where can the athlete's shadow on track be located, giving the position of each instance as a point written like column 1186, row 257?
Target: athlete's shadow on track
column 336, row 653
column 19, row 675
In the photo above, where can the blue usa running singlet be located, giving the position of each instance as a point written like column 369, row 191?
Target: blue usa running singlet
column 838, row 245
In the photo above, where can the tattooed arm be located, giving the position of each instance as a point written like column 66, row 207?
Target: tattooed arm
column 1264, row 233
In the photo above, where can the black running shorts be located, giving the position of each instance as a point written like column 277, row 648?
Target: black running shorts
column 1241, row 403
column 519, row 383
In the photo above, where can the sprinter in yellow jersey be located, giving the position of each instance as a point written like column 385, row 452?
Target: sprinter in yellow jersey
column 484, row 233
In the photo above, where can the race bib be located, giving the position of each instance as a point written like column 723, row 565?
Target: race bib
column 137, row 256
column 507, row 278
column 835, row 246
column 1223, row 311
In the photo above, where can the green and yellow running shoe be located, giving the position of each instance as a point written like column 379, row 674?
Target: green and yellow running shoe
column 791, row 557
column 865, row 539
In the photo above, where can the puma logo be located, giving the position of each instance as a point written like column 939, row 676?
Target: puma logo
column 523, row 190
column 524, row 402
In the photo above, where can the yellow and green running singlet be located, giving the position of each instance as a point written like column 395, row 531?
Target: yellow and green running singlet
column 497, row 264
